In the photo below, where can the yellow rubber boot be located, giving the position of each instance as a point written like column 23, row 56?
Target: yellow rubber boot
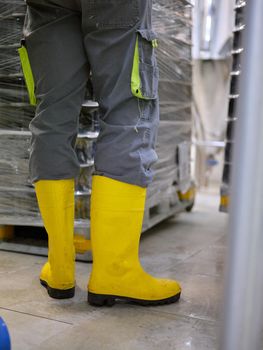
column 117, row 211
column 56, row 204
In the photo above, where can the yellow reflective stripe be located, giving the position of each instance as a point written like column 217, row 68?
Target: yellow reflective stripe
column 135, row 79
column 155, row 43
column 29, row 79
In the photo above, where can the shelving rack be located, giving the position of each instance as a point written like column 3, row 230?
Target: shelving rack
column 233, row 98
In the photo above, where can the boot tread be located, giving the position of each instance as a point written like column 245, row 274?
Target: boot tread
column 58, row 293
column 110, row 300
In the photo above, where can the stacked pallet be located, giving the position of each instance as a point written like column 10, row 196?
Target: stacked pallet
column 172, row 22
column 171, row 190
column 233, row 99
column 18, row 204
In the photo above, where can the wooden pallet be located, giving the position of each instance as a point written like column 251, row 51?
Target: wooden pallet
column 156, row 211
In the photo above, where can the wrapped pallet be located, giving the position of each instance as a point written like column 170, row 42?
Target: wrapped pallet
column 171, row 190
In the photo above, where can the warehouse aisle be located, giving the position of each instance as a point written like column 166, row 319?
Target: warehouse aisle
column 190, row 247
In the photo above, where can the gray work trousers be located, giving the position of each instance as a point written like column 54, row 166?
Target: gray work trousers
column 65, row 39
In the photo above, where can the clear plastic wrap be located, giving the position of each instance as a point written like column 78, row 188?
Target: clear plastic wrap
column 176, row 92
column 172, row 22
column 17, row 194
column 15, row 157
column 9, row 61
column 11, row 8
column 12, row 91
column 12, row 15
column 11, row 28
column 15, row 116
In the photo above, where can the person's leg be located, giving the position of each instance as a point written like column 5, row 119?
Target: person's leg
column 53, row 38
column 129, row 115
column 120, row 45
column 54, row 43
column 117, row 210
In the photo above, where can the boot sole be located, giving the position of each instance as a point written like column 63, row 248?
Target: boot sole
column 58, row 293
column 110, row 300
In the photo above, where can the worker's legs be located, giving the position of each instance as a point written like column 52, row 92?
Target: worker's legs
column 55, row 47
column 54, row 43
column 120, row 45
column 129, row 114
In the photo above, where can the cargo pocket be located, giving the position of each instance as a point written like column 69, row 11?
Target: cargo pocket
column 145, row 72
column 112, row 14
column 28, row 75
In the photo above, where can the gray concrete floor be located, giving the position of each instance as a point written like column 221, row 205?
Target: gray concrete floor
column 190, row 247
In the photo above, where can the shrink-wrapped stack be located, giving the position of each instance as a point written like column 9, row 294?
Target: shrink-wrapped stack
column 172, row 21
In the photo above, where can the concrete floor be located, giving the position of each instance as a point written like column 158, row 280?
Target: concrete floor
column 190, row 247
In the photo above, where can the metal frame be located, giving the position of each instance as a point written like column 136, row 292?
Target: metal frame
column 243, row 307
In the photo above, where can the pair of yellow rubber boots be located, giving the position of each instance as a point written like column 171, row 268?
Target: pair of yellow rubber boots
column 117, row 212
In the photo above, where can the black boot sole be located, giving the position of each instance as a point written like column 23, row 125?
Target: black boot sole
column 110, row 300
column 58, row 293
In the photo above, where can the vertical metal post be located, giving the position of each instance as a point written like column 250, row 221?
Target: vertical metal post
column 243, row 314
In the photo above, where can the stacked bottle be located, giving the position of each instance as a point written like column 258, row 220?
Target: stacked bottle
column 233, row 99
